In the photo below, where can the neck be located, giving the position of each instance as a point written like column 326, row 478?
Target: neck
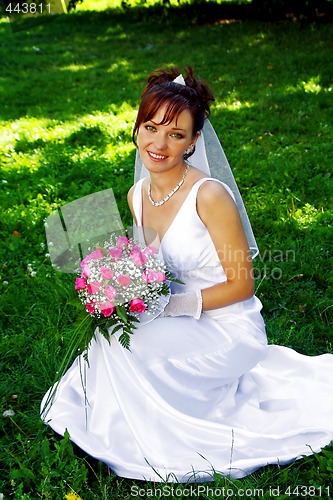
column 162, row 182
column 158, row 203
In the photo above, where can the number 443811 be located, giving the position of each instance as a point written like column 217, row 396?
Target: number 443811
column 308, row 491
column 28, row 8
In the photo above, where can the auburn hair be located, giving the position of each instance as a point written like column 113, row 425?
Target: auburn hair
column 161, row 91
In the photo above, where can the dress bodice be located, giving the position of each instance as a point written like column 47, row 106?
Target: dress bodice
column 187, row 248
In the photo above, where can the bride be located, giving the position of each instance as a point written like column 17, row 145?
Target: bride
column 200, row 391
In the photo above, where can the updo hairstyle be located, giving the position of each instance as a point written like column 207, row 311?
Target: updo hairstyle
column 161, row 91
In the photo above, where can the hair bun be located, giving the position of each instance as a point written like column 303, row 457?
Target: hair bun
column 200, row 87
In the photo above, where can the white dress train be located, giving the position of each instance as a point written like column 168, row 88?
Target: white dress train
column 195, row 396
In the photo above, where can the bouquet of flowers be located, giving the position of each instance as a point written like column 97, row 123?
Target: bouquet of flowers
column 120, row 282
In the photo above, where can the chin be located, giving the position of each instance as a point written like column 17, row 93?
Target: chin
column 152, row 166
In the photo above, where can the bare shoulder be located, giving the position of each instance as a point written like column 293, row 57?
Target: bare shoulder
column 213, row 192
column 215, row 203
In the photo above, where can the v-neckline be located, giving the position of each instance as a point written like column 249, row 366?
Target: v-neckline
column 178, row 211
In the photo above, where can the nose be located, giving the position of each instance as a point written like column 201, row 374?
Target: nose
column 160, row 142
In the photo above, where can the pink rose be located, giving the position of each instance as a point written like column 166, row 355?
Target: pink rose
column 138, row 257
column 122, row 242
column 110, row 292
column 107, row 308
column 106, row 273
column 94, row 287
column 123, row 280
column 90, row 307
column 96, row 254
column 137, row 305
column 116, row 253
column 80, row 283
column 151, row 276
column 86, row 271
column 160, row 276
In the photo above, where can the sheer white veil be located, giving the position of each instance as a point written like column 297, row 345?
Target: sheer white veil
column 209, row 157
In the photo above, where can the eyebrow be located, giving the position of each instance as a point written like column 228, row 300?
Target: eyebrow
column 173, row 128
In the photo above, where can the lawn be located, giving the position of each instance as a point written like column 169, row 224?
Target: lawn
column 69, row 90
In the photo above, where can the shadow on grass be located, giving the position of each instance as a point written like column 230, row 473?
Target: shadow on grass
column 203, row 12
column 92, row 62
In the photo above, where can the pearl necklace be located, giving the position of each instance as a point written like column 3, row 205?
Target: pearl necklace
column 168, row 196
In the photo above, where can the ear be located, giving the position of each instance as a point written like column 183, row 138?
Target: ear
column 195, row 137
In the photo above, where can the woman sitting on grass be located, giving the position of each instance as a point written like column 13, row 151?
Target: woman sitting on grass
column 200, row 391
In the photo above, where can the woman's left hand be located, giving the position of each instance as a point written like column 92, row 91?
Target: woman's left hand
column 184, row 304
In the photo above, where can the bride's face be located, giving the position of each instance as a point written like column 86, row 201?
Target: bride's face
column 161, row 147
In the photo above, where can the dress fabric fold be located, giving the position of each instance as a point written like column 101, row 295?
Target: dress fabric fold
column 194, row 397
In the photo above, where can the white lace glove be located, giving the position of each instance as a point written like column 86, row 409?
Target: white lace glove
column 184, row 304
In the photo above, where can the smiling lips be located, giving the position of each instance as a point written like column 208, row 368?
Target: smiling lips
column 156, row 157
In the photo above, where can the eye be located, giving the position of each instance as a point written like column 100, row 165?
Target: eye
column 177, row 135
column 151, row 128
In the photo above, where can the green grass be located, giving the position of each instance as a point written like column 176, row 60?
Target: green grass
column 69, row 91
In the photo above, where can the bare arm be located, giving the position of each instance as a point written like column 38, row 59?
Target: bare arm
column 219, row 213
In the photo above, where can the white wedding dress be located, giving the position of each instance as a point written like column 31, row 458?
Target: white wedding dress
column 195, row 396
